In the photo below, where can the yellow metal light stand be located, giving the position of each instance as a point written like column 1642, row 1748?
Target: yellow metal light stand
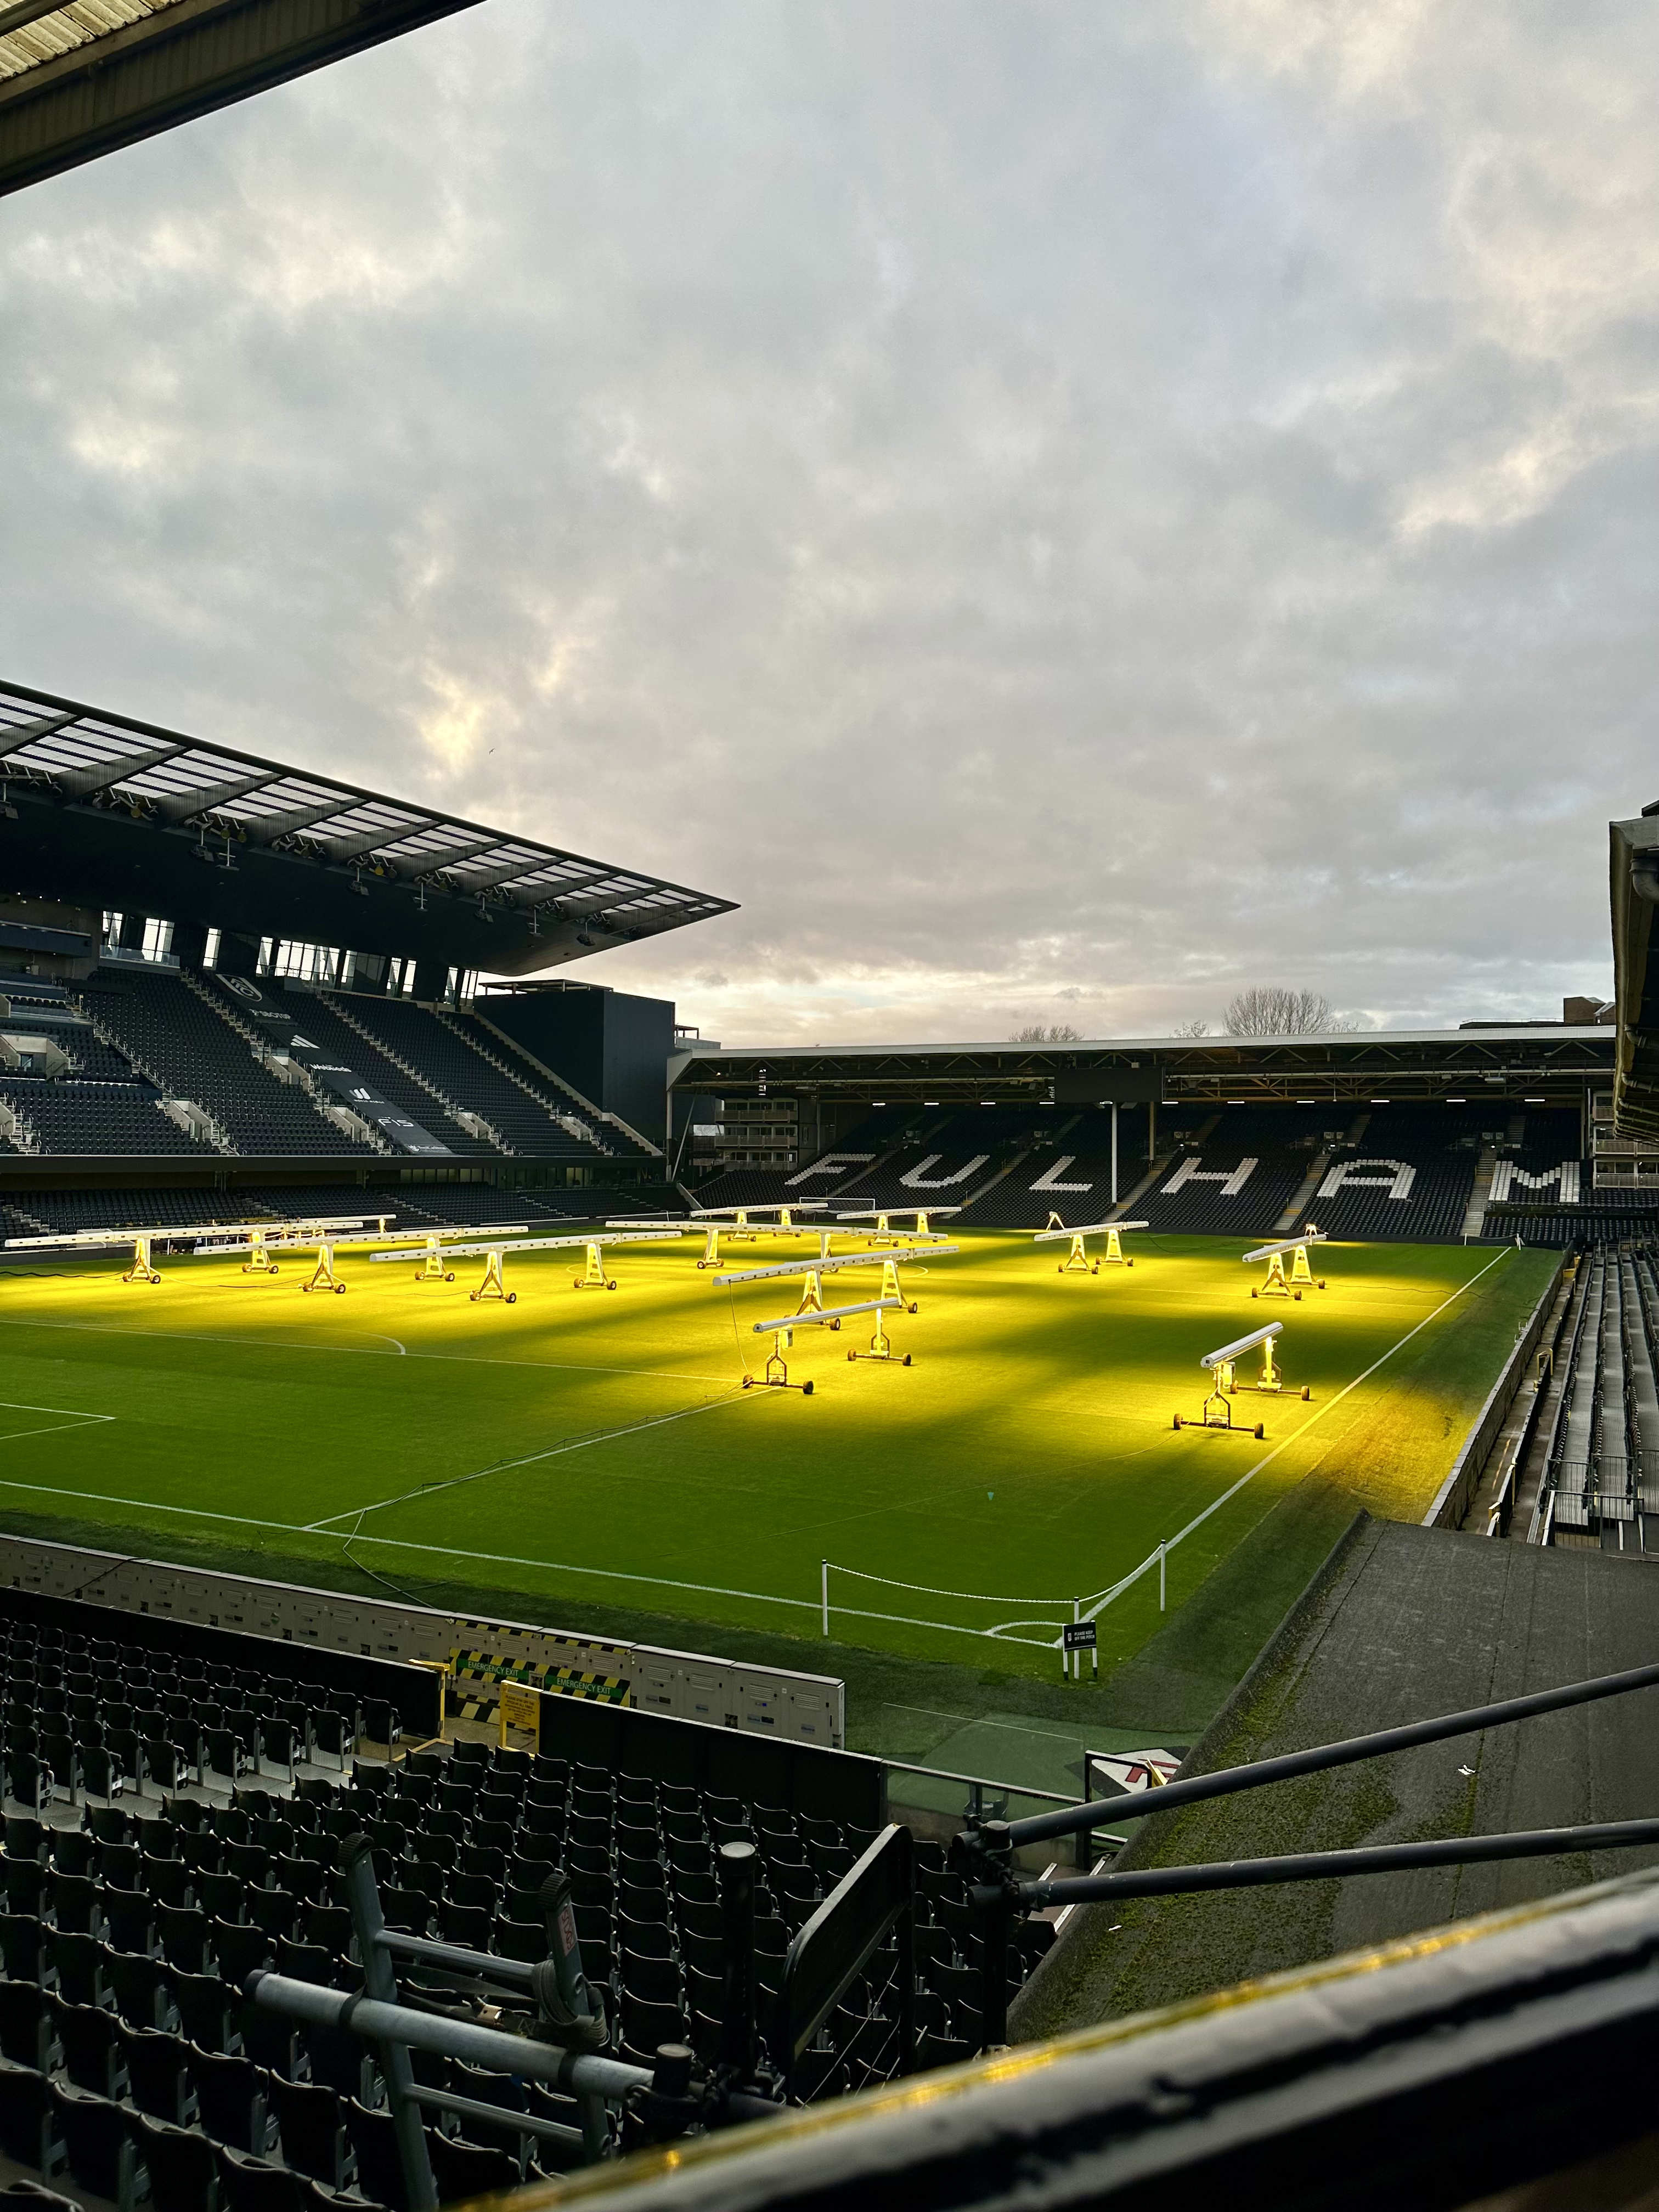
column 595, row 1278
column 1270, row 1381
column 777, row 1377
column 259, row 1261
column 1076, row 1262
column 889, row 1286
column 711, row 1246
column 432, row 1268
column 1302, row 1273
column 1114, row 1251
column 492, row 1286
column 141, row 1271
column 1275, row 1286
column 323, row 1277
column 1216, row 1411
column 811, row 1296
column 881, row 1345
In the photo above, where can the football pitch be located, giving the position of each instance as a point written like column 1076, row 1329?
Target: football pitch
column 599, row 1449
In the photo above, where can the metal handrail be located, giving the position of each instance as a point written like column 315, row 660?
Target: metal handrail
column 1228, row 1780
column 981, row 1782
column 985, row 1853
column 1328, row 1866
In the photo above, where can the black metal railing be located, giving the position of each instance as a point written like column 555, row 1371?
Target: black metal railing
column 984, row 1852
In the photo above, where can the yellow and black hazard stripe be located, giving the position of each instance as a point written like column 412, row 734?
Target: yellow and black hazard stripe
column 485, row 1668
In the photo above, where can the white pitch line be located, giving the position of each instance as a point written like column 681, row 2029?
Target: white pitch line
column 506, row 1465
column 21, row 1405
column 1329, row 1406
column 288, row 1344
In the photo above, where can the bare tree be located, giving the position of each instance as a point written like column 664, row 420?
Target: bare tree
column 1056, row 1033
column 1193, row 1029
column 1269, row 1010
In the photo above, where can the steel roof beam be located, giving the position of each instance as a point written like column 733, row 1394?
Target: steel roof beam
column 24, row 733
column 103, row 776
column 266, row 829
column 24, row 12
column 437, row 860
column 207, row 798
column 344, row 850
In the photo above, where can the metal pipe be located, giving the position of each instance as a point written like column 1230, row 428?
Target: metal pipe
column 488, row 2047
column 524, row 2123
column 1173, row 1794
column 736, row 1864
column 380, row 1987
column 1327, row 1866
column 514, row 1972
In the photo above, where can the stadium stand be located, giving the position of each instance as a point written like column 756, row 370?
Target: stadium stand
column 312, row 1019
column 413, row 1205
column 1233, row 1172
column 1408, row 1176
column 559, row 1099
column 93, row 1119
column 175, row 1799
column 765, row 1187
column 446, row 1066
column 190, row 1050
column 947, row 1163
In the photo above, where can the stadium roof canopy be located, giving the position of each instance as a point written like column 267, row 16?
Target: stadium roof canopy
column 81, row 79
column 121, row 815
column 1545, row 1061
column 1634, row 889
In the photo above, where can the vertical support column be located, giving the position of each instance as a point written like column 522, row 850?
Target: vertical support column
column 1163, row 1566
column 737, row 1879
column 380, row 1982
column 995, row 1917
column 1113, row 1152
column 1151, row 1131
column 578, row 1999
column 905, row 1937
column 1077, row 1657
column 825, row 1593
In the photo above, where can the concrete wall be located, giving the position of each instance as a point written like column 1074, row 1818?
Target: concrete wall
column 764, row 1701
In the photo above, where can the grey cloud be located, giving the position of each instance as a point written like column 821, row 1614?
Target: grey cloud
column 1037, row 504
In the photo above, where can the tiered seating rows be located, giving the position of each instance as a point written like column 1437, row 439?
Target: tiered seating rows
column 160, row 1020
column 488, row 1040
column 417, row 1034
column 97, row 1118
column 314, row 1019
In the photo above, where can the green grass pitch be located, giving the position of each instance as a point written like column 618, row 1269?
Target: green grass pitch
column 597, row 1449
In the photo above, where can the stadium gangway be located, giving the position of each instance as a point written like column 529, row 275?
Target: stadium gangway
column 983, row 1850
column 565, row 2050
column 1301, row 1275
column 1077, row 1261
column 782, row 1332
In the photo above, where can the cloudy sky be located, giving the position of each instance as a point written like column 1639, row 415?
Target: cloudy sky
column 1061, row 511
